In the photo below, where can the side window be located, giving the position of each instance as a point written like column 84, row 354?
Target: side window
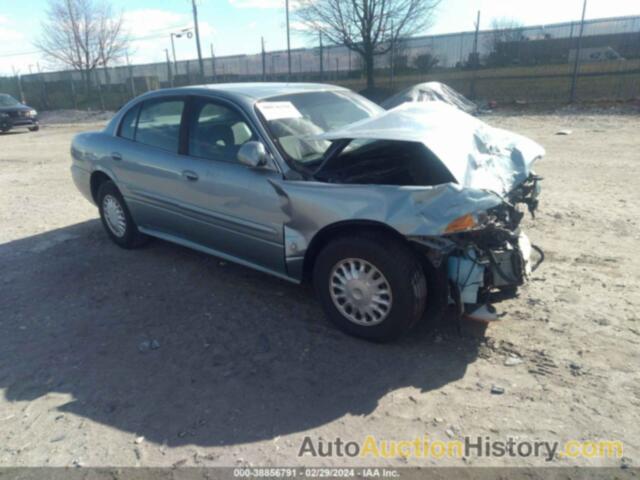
column 217, row 132
column 159, row 124
column 128, row 124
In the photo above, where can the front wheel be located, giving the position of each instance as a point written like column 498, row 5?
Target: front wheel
column 370, row 287
column 116, row 219
column 34, row 129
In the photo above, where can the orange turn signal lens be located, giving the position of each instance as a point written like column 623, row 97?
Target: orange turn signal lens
column 460, row 224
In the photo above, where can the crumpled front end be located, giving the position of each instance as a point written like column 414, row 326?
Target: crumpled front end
column 486, row 262
column 452, row 185
column 470, row 227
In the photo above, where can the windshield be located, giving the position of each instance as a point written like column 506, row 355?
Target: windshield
column 7, row 100
column 295, row 120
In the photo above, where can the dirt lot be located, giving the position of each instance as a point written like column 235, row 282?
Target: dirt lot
column 246, row 366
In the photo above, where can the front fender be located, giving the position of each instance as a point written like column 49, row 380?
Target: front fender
column 309, row 207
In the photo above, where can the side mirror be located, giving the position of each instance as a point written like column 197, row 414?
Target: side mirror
column 252, row 154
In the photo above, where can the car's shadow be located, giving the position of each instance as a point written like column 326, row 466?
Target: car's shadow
column 240, row 356
column 14, row 132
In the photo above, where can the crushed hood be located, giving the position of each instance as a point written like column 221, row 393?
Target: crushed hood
column 431, row 92
column 477, row 155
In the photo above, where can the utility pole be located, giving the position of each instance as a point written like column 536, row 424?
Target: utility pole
column 576, row 64
column 213, row 64
column 264, row 61
column 321, row 59
column 195, row 22
column 288, row 43
column 169, row 72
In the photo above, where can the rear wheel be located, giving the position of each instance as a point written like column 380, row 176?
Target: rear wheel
column 372, row 288
column 34, row 129
column 116, row 218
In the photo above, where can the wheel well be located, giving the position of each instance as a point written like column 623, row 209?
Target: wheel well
column 97, row 179
column 330, row 232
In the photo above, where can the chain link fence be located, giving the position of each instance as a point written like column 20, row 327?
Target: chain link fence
column 528, row 64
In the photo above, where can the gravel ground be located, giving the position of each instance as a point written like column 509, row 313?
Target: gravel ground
column 164, row 356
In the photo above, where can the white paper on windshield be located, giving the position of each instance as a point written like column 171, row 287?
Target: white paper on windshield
column 279, row 110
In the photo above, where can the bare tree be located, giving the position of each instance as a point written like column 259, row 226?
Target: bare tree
column 83, row 35
column 425, row 62
column 367, row 27
column 504, row 30
column 503, row 41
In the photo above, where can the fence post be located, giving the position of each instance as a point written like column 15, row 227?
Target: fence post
column 321, row 59
column 74, row 97
column 576, row 64
column 100, row 97
column 169, row 72
column 476, row 58
column 264, row 61
column 45, row 96
column 213, row 64
column 16, row 74
column 392, row 55
column 189, row 82
column 131, row 81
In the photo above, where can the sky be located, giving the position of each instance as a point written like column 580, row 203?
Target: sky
column 236, row 26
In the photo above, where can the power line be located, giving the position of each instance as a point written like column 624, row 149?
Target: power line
column 158, row 34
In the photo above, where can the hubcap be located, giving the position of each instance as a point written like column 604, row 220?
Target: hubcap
column 360, row 291
column 114, row 215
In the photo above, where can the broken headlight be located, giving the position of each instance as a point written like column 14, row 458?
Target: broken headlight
column 467, row 222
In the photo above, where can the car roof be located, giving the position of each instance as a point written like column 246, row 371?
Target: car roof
column 262, row 90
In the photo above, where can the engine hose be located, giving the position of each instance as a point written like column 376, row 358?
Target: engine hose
column 540, row 260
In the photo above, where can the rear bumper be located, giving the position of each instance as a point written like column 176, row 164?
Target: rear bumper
column 82, row 181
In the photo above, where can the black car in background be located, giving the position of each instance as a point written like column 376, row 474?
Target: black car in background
column 14, row 114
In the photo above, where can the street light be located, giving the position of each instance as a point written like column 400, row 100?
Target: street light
column 185, row 32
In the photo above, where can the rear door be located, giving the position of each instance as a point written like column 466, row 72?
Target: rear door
column 150, row 169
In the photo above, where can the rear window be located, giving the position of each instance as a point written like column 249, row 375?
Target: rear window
column 159, row 124
column 128, row 125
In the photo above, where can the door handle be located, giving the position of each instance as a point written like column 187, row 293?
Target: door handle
column 116, row 156
column 189, row 175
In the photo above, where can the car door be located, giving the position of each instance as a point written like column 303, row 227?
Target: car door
column 149, row 168
column 234, row 209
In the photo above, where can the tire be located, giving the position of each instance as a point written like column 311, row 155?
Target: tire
column 398, row 267
column 122, row 231
column 34, row 129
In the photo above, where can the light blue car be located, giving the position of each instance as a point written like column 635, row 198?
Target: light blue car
column 387, row 212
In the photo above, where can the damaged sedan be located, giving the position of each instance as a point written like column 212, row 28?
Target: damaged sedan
column 393, row 215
